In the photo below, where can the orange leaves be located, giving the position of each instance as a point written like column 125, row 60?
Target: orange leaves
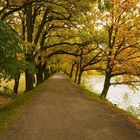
column 120, row 8
column 134, row 1
column 124, row 3
column 17, row 2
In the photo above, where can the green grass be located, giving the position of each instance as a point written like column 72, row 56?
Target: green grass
column 9, row 112
column 93, row 96
column 128, row 115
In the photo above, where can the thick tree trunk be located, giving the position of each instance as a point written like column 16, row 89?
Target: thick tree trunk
column 16, row 84
column 46, row 74
column 39, row 75
column 28, row 81
column 29, row 21
column 79, row 77
column 106, row 86
column 28, row 76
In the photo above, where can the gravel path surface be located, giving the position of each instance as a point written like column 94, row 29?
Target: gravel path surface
column 62, row 112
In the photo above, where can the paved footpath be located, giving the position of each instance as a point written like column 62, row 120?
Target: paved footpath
column 62, row 112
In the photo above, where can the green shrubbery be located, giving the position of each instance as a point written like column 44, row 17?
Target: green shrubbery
column 8, row 93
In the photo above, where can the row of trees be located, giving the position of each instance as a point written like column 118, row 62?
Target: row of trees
column 36, row 22
column 77, row 36
column 113, row 44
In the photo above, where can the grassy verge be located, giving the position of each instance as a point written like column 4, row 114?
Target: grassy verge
column 131, row 118
column 9, row 112
column 93, row 96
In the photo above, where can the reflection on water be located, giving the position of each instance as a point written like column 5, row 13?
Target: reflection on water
column 121, row 95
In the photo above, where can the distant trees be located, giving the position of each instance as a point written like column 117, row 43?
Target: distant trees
column 77, row 36
column 114, row 43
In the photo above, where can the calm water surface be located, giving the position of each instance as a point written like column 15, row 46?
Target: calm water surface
column 121, row 95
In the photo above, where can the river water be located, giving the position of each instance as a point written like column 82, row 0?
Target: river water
column 121, row 95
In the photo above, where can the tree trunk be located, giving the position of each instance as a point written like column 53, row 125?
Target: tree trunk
column 39, row 75
column 16, row 84
column 79, row 76
column 28, row 81
column 46, row 73
column 72, row 69
column 51, row 70
column 80, row 67
column 76, row 74
column 106, row 86
column 29, row 22
column 39, row 67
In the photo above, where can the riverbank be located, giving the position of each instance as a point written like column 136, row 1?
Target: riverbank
column 120, row 95
column 128, row 115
